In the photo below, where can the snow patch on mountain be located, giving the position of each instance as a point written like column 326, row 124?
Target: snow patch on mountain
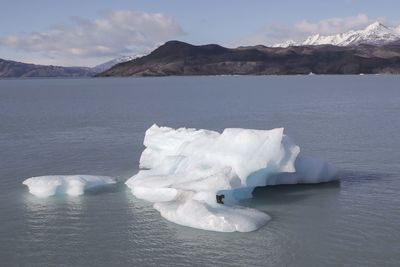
column 287, row 43
column 107, row 65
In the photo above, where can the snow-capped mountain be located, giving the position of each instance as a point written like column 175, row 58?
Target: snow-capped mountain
column 375, row 34
column 107, row 65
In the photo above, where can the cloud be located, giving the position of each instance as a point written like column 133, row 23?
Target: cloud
column 114, row 34
column 300, row 30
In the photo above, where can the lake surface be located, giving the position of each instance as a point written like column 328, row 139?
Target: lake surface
column 96, row 126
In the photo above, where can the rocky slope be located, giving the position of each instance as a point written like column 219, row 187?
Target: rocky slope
column 178, row 58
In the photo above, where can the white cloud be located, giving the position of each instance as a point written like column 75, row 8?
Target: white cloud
column 332, row 25
column 300, row 30
column 397, row 29
column 114, row 34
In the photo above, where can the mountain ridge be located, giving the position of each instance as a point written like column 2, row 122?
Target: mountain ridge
column 179, row 58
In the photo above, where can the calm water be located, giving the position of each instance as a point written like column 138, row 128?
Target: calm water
column 96, row 126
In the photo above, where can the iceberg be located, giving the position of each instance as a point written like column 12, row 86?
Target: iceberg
column 182, row 171
column 73, row 185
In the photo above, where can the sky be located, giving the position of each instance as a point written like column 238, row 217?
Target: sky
column 90, row 32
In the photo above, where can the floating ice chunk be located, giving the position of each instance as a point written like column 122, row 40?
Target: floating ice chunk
column 184, row 169
column 73, row 185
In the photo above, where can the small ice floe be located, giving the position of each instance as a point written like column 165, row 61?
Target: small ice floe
column 73, row 185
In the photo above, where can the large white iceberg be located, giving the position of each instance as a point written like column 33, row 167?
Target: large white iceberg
column 183, row 170
column 73, row 185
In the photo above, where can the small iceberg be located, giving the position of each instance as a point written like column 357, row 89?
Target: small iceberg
column 72, row 185
column 183, row 172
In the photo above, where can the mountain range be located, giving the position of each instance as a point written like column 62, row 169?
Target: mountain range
column 374, row 34
column 14, row 69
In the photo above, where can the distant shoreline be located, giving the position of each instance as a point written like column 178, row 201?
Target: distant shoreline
column 190, row 76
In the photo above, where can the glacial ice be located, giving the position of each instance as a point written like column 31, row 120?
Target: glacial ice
column 182, row 171
column 73, row 185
